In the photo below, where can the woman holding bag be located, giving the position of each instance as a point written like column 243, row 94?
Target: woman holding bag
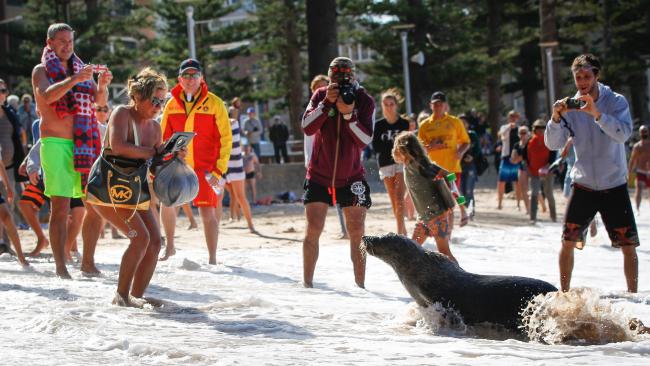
column 133, row 138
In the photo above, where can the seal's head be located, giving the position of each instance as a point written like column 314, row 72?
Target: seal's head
column 392, row 248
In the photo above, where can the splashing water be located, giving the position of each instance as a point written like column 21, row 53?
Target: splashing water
column 579, row 316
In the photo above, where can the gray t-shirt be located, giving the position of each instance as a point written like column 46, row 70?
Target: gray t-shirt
column 253, row 130
column 423, row 190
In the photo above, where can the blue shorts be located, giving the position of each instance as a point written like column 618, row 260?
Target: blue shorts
column 508, row 172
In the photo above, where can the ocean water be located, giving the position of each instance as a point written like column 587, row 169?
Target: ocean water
column 251, row 309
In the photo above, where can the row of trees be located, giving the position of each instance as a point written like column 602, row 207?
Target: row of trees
column 474, row 50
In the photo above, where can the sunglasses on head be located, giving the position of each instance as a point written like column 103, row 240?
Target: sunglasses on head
column 341, row 69
column 193, row 75
column 102, row 109
column 3, row 90
column 157, row 102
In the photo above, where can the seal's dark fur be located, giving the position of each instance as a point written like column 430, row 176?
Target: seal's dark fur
column 431, row 277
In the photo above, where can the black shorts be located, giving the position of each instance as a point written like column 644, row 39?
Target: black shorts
column 2, row 200
column 615, row 208
column 250, row 175
column 356, row 194
column 34, row 195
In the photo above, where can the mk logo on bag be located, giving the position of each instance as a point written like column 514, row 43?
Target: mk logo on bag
column 121, row 193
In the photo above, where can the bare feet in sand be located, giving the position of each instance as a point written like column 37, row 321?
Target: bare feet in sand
column 90, row 270
column 168, row 253
column 63, row 274
column 40, row 245
column 130, row 301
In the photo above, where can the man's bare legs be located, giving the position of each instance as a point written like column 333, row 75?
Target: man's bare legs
column 315, row 213
column 60, row 207
column 396, row 188
column 30, row 213
column 631, row 267
column 638, row 194
column 566, row 264
column 211, row 216
column 93, row 225
column 168, row 216
column 74, row 227
column 355, row 218
column 252, row 184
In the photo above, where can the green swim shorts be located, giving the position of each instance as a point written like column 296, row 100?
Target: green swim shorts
column 57, row 162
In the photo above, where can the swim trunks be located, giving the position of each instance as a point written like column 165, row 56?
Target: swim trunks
column 34, row 195
column 57, row 162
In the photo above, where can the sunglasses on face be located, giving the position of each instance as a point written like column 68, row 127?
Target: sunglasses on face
column 157, row 102
column 102, row 109
column 189, row 76
column 3, row 90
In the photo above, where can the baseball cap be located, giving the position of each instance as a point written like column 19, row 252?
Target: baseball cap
column 250, row 110
column 438, row 97
column 189, row 64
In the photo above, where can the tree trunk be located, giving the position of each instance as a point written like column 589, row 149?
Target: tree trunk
column 294, row 74
column 638, row 95
column 549, row 34
column 322, row 44
column 494, row 79
column 529, row 81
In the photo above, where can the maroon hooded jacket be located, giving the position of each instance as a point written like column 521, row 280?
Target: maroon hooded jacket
column 322, row 120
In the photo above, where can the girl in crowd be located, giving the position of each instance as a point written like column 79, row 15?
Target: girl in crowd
column 391, row 172
column 134, row 136
column 235, row 176
column 5, row 216
column 420, row 175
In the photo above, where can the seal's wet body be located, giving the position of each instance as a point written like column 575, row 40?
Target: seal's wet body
column 431, row 277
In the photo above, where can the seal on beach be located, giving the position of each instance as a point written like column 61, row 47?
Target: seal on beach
column 431, row 277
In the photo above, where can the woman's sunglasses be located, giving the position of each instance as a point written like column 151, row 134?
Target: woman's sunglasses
column 4, row 90
column 157, row 102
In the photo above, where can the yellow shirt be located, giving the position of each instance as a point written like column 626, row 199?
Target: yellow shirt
column 447, row 131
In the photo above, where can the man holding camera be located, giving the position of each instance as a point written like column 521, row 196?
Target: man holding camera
column 340, row 116
column 599, row 121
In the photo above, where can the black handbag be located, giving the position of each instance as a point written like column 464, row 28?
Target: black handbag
column 119, row 182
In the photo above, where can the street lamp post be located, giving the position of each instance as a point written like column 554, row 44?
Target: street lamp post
column 189, row 11
column 550, row 73
column 403, row 28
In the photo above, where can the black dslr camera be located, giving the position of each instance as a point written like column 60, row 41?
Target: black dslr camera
column 347, row 92
column 573, row 103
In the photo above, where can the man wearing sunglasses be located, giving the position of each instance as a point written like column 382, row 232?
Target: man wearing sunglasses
column 192, row 108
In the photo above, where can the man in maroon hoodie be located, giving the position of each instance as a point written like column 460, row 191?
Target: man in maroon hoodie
column 340, row 118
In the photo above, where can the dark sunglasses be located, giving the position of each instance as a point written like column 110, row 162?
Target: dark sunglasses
column 194, row 75
column 157, row 102
column 4, row 90
column 102, row 109
column 343, row 70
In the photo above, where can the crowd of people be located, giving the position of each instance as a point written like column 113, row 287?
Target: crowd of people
column 78, row 145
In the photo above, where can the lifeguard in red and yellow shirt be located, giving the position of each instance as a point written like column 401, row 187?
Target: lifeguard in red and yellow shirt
column 193, row 108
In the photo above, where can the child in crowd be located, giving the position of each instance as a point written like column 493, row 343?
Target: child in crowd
column 420, row 174
column 252, row 170
column 6, row 218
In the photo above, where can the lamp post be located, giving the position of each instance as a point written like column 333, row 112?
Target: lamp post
column 403, row 28
column 189, row 11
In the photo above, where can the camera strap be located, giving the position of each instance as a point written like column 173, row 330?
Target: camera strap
column 332, row 189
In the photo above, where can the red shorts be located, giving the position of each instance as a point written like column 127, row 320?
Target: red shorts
column 643, row 177
column 206, row 196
